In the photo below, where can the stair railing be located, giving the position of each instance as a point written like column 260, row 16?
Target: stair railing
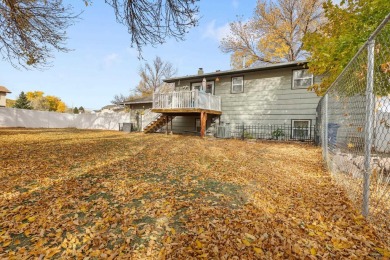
column 148, row 117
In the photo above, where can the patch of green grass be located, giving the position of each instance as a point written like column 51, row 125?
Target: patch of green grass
column 107, row 175
column 99, row 214
column 20, row 189
column 137, row 202
column 98, row 195
column 84, row 176
column 179, row 220
column 22, row 239
column 30, row 182
column 226, row 194
column 150, row 177
column 144, row 219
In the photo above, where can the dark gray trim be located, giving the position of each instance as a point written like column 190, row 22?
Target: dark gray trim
column 240, row 71
column 132, row 103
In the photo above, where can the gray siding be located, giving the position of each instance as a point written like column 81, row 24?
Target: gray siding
column 186, row 124
column 268, row 98
column 135, row 109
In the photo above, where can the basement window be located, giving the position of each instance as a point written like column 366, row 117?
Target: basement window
column 300, row 129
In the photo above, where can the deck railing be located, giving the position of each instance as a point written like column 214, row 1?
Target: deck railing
column 186, row 99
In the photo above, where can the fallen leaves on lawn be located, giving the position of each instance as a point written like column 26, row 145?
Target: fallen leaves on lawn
column 101, row 194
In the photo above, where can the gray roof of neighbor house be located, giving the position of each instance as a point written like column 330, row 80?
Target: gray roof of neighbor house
column 141, row 100
column 239, row 71
column 4, row 90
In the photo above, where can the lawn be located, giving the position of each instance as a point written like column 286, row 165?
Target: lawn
column 103, row 194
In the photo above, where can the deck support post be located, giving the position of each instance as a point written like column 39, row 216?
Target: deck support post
column 203, row 120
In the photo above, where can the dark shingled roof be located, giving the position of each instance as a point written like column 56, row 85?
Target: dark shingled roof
column 239, row 71
column 141, row 100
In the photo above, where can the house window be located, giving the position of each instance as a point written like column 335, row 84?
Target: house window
column 302, row 79
column 300, row 129
column 238, row 84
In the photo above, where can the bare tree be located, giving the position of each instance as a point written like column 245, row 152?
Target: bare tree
column 275, row 32
column 153, row 75
column 242, row 43
column 119, row 99
column 31, row 30
column 151, row 21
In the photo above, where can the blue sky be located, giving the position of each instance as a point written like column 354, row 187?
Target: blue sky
column 103, row 64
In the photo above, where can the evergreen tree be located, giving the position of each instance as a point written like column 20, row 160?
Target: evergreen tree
column 81, row 109
column 75, row 110
column 22, row 102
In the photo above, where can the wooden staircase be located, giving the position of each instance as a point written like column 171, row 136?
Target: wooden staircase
column 157, row 123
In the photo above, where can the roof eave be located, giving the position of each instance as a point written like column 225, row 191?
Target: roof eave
column 240, row 71
column 132, row 103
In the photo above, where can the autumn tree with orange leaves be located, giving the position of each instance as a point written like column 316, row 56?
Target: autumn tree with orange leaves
column 274, row 34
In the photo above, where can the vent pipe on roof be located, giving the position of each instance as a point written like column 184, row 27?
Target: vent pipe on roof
column 200, row 71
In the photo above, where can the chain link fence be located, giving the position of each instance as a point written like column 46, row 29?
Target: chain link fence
column 354, row 126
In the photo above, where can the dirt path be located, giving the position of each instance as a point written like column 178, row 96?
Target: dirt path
column 72, row 193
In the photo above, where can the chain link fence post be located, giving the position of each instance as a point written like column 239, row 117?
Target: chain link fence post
column 368, row 131
column 325, row 129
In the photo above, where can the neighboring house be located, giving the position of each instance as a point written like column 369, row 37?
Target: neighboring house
column 3, row 93
column 138, row 107
column 274, row 95
column 110, row 109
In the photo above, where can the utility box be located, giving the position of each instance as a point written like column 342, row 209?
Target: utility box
column 223, row 132
column 127, row 127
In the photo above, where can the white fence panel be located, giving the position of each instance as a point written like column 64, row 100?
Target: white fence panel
column 13, row 117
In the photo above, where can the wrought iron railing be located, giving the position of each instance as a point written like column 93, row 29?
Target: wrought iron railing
column 282, row 132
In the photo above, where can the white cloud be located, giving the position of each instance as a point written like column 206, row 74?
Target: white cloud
column 110, row 60
column 216, row 33
column 235, row 4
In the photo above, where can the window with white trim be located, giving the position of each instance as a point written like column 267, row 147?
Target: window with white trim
column 302, row 79
column 238, row 84
column 300, row 129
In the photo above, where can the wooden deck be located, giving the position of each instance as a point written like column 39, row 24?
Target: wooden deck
column 186, row 103
column 193, row 101
column 185, row 111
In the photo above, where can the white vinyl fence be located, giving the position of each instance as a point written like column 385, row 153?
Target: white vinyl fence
column 13, row 117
